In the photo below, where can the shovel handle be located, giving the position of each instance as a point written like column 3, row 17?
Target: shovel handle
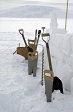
column 45, row 35
column 21, row 31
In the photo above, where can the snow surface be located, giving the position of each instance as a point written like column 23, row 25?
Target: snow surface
column 20, row 92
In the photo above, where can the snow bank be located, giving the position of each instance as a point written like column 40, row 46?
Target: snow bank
column 61, row 48
column 61, row 52
column 71, row 86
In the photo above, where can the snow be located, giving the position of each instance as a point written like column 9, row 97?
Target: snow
column 53, row 24
column 71, row 86
column 20, row 92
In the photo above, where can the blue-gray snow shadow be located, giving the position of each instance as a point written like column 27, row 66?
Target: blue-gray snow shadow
column 33, row 11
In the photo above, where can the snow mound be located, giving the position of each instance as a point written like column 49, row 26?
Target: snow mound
column 30, row 11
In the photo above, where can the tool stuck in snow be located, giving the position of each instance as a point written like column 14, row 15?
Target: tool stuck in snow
column 33, row 56
column 32, row 62
column 32, row 44
column 23, row 51
column 48, row 79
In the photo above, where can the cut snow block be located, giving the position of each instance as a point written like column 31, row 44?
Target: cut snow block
column 66, row 45
column 67, row 75
column 48, row 85
column 59, row 31
column 71, row 61
column 72, row 86
column 32, row 63
column 71, row 43
column 58, row 69
column 53, row 24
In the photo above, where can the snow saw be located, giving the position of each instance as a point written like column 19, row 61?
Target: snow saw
column 48, row 78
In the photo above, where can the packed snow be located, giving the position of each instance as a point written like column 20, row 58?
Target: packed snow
column 20, row 92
